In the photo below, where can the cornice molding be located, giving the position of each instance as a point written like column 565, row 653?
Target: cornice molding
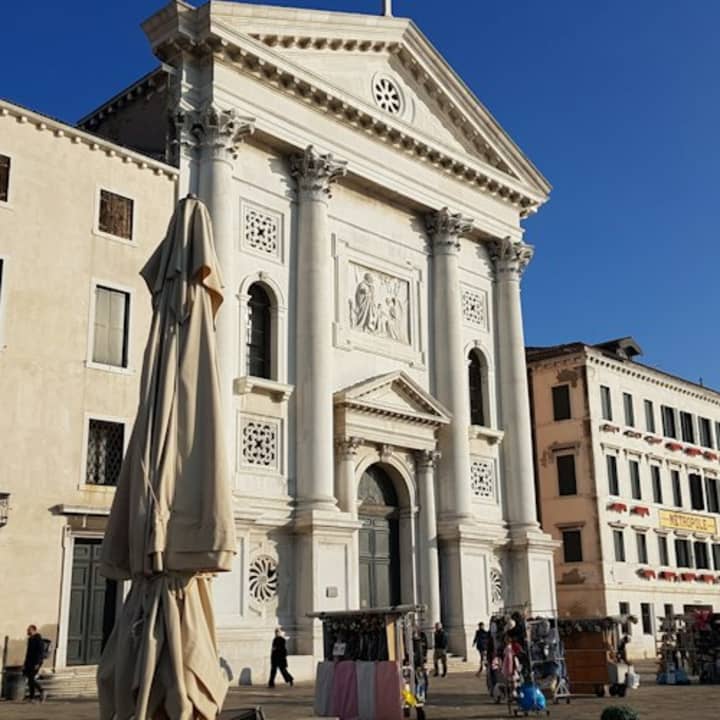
column 79, row 137
column 257, row 59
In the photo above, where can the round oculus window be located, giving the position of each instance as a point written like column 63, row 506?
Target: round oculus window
column 387, row 95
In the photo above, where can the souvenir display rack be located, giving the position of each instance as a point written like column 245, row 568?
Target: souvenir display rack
column 675, row 650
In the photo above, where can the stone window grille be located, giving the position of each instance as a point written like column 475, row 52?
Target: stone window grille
column 106, row 443
column 482, row 479
column 473, row 307
column 261, row 232
column 116, row 215
column 260, row 444
column 263, row 579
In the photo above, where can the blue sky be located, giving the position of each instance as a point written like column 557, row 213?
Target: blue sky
column 616, row 101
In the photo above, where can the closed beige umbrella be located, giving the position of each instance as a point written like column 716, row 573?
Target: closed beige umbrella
column 171, row 522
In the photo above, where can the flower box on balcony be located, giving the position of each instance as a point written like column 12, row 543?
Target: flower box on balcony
column 693, row 452
column 709, row 455
column 646, row 573
column 705, row 578
column 667, row 575
column 674, row 446
column 617, row 507
column 609, row 427
column 687, row 576
column 632, row 433
column 653, row 440
column 640, row 510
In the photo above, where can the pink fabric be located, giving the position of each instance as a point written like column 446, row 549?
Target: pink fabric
column 344, row 691
column 508, row 663
column 388, row 698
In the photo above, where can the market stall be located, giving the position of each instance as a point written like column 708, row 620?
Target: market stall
column 595, row 656
column 374, row 664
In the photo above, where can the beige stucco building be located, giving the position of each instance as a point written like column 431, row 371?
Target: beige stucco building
column 628, row 470
column 74, row 316
column 367, row 212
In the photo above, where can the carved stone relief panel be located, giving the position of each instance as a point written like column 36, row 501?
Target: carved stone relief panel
column 379, row 304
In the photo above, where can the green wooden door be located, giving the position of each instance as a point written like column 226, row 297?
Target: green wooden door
column 87, row 605
column 379, row 552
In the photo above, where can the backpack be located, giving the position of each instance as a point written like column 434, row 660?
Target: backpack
column 47, row 648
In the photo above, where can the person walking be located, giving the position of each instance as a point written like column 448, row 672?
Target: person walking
column 278, row 660
column 34, row 656
column 440, row 650
column 480, row 643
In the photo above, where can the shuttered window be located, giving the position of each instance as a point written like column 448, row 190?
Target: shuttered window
column 566, row 475
column 4, row 178
column 112, row 315
column 561, row 402
column 116, row 215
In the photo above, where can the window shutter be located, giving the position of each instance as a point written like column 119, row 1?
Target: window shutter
column 102, row 326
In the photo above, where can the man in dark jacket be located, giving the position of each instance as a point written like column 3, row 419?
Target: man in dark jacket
column 440, row 651
column 34, row 657
column 278, row 660
column 480, row 642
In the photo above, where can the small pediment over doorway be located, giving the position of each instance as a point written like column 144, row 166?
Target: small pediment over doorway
column 392, row 409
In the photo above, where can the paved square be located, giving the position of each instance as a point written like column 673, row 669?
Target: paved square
column 460, row 695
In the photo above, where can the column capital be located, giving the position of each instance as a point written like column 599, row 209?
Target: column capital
column 445, row 229
column 510, row 257
column 348, row 447
column 220, row 131
column 315, row 172
column 427, row 459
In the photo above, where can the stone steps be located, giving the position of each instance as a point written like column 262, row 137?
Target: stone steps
column 70, row 683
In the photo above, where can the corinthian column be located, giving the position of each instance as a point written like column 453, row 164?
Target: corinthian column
column 314, row 174
column 451, row 382
column 427, row 537
column 217, row 135
column 511, row 259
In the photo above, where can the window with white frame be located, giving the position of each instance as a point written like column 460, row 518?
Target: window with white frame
column 629, row 409
column 646, row 616
column 663, row 553
column 619, row 543
column 115, row 215
column 477, row 384
column 105, row 447
column 697, row 499
column 702, row 561
column 606, row 402
column 668, row 421
column 4, row 178
column 635, row 487
column 705, row 432
column 641, row 543
column 656, row 483
column 687, row 426
column 649, row 416
column 712, row 495
column 613, row 480
column 683, row 554
column 676, row 488
column 716, row 555
column 111, row 326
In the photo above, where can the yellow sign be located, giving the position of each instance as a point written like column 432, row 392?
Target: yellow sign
column 686, row 521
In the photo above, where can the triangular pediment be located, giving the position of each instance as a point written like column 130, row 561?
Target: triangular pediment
column 395, row 394
column 353, row 52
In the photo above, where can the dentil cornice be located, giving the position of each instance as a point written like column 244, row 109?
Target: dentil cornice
column 316, row 172
column 209, row 33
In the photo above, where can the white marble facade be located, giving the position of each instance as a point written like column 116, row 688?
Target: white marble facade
column 352, row 175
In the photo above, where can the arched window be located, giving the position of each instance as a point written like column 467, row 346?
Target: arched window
column 259, row 353
column 476, row 382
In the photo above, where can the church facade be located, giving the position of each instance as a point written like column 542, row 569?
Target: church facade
column 367, row 215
